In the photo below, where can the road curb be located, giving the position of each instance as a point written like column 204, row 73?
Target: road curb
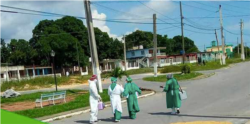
column 87, row 110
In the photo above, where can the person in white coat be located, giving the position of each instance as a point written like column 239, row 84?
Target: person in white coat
column 93, row 99
column 114, row 91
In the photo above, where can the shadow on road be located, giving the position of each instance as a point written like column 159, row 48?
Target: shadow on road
column 83, row 121
column 199, row 116
column 105, row 120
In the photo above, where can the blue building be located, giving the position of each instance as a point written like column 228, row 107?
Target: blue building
column 140, row 57
column 140, row 53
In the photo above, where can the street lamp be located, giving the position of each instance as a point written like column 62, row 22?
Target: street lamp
column 53, row 55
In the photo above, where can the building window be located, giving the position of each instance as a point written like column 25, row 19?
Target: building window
column 142, row 52
column 163, row 60
column 133, row 53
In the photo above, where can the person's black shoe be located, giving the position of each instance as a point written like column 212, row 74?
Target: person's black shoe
column 96, row 120
column 178, row 112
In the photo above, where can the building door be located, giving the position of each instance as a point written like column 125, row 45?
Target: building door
column 171, row 61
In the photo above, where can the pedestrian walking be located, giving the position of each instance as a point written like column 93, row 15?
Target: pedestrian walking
column 130, row 90
column 173, row 99
column 93, row 99
column 114, row 91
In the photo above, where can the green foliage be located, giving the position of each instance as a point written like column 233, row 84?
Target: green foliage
column 163, row 78
column 5, row 52
column 172, row 68
column 173, row 46
column 80, row 101
column 246, row 50
column 118, row 73
column 68, row 35
column 189, row 45
column 20, row 52
column 139, row 38
column 186, row 68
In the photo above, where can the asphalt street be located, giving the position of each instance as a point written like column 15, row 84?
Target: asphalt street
column 224, row 96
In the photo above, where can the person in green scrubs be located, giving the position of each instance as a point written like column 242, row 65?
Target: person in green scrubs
column 130, row 90
column 173, row 99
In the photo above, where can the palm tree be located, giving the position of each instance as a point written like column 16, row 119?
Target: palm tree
column 118, row 73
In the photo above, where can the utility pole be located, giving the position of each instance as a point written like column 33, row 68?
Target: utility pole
column 204, row 48
column 238, row 45
column 124, row 49
column 92, row 43
column 78, row 59
column 217, row 45
column 246, row 49
column 155, row 46
column 242, row 43
column 182, row 36
column 222, row 38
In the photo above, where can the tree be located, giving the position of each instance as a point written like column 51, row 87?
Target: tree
column 173, row 46
column 66, row 36
column 49, row 35
column 21, row 53
column 188, row 43
column 139, row 38
column 5, row 52
column 246, row 50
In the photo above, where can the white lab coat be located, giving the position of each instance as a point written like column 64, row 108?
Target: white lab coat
column 93, row 100
column 115, row 98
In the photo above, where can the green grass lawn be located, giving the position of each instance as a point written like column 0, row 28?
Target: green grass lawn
column 32, row 97
column 81, row 100
column 212, row 65
column 162, row 78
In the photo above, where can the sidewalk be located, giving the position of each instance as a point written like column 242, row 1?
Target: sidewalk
column 85, row 86
column 106, row 82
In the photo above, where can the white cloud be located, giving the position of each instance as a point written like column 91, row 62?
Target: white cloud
column 101, row 24
column 20, row 26
column 143, row 10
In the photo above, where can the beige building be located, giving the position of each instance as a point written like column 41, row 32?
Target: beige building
column 215, row 49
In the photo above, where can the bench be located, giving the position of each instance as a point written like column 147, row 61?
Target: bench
column 51, row 97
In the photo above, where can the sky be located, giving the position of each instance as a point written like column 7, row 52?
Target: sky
column 200, row 18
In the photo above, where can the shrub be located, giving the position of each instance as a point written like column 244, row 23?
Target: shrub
column 186, row 68
column 118, row 73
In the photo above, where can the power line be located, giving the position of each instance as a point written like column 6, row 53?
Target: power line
column 230, row 32
column 209, row 29
column 166, row 28
column 224, row 9
column 108, row 20
column 199, row 8
column 117, row 1
column 236, row 6
column 198, row 32
column 94, row 3
column 157, row 11
column 199, row 26
column 240, row 0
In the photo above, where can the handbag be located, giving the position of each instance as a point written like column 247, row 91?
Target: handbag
column 182, row 93
column 101, row 105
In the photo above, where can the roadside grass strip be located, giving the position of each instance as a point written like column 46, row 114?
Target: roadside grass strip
column 12, row 118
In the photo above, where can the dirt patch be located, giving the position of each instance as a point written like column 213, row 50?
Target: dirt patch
column 18, row 106
column 202, row 122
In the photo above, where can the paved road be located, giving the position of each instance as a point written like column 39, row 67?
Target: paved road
column 222, row 97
